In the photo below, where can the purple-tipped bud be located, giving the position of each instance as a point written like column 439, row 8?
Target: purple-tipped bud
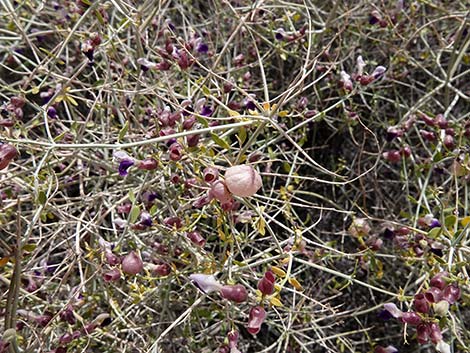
column 196, row 238
column 255, row 320
column 132, row 263
column 421, row 304
column 433, row 295
column 393, row 132
column 451, row 293
column 7, row 153
column 378, row 72
column 266, row 284
column 206, row 283
column 220, row 192
column 411, row 318
column 112, row 275
column 405, row 151
column 210, row 174
column 232, row 337
column 111, row 258
column 438, row 280
column 423, row 331
column 236, row 293
column 148, row 164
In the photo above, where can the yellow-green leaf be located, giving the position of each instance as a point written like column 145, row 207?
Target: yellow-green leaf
column 221, row 142
column 278, row 272
column 275, row 301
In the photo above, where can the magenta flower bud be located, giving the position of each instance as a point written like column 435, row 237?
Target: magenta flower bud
column 7, row 153
column 255, row 319
column 201, row 201
column 173, row 222
column 162, row 269
column 220, row 192
column 232, row 339
column 196, row 238
column 148, row 164
column 393, row 156
column 44, row 319
column 206, row 283
column 236, row 293
column 433, row 295
column 441, row 121
column 451, row 293
column 176, row 151
column 427, row 119
column 411, row 318
column 192, row 140
column 428, row 135
column 438, row 280
column 435, row 332
column 112, row 275
column 388, row 349
column 210, row 174
column 242, row 180
column 420, row 303
column 66, row 338
column 393, row 132
column 266, row 284
column 405, row 151
column 111, row 258
column 67, row 315
column 189, row 122
column 89, row 328
column 449, row 142
column 132, row 263
column 423, row 331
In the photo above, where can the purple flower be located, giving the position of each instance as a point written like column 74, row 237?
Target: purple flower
column 124, row 165
column 393, row 310
column 203, row 48
column 206, row 283
column 206, row 111
column 379, row 71
column 146, row 219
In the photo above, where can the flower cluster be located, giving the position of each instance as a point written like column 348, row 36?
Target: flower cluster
column 429, row 307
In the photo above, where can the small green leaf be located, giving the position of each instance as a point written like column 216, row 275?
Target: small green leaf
column 131, row 196
column 123, row 131
column 434, row 233
column 242, row 135
column 450, row 221
column 222, row 143
column 42, row 198
column 135, row 212
column 206, row 90
column 29, row 247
